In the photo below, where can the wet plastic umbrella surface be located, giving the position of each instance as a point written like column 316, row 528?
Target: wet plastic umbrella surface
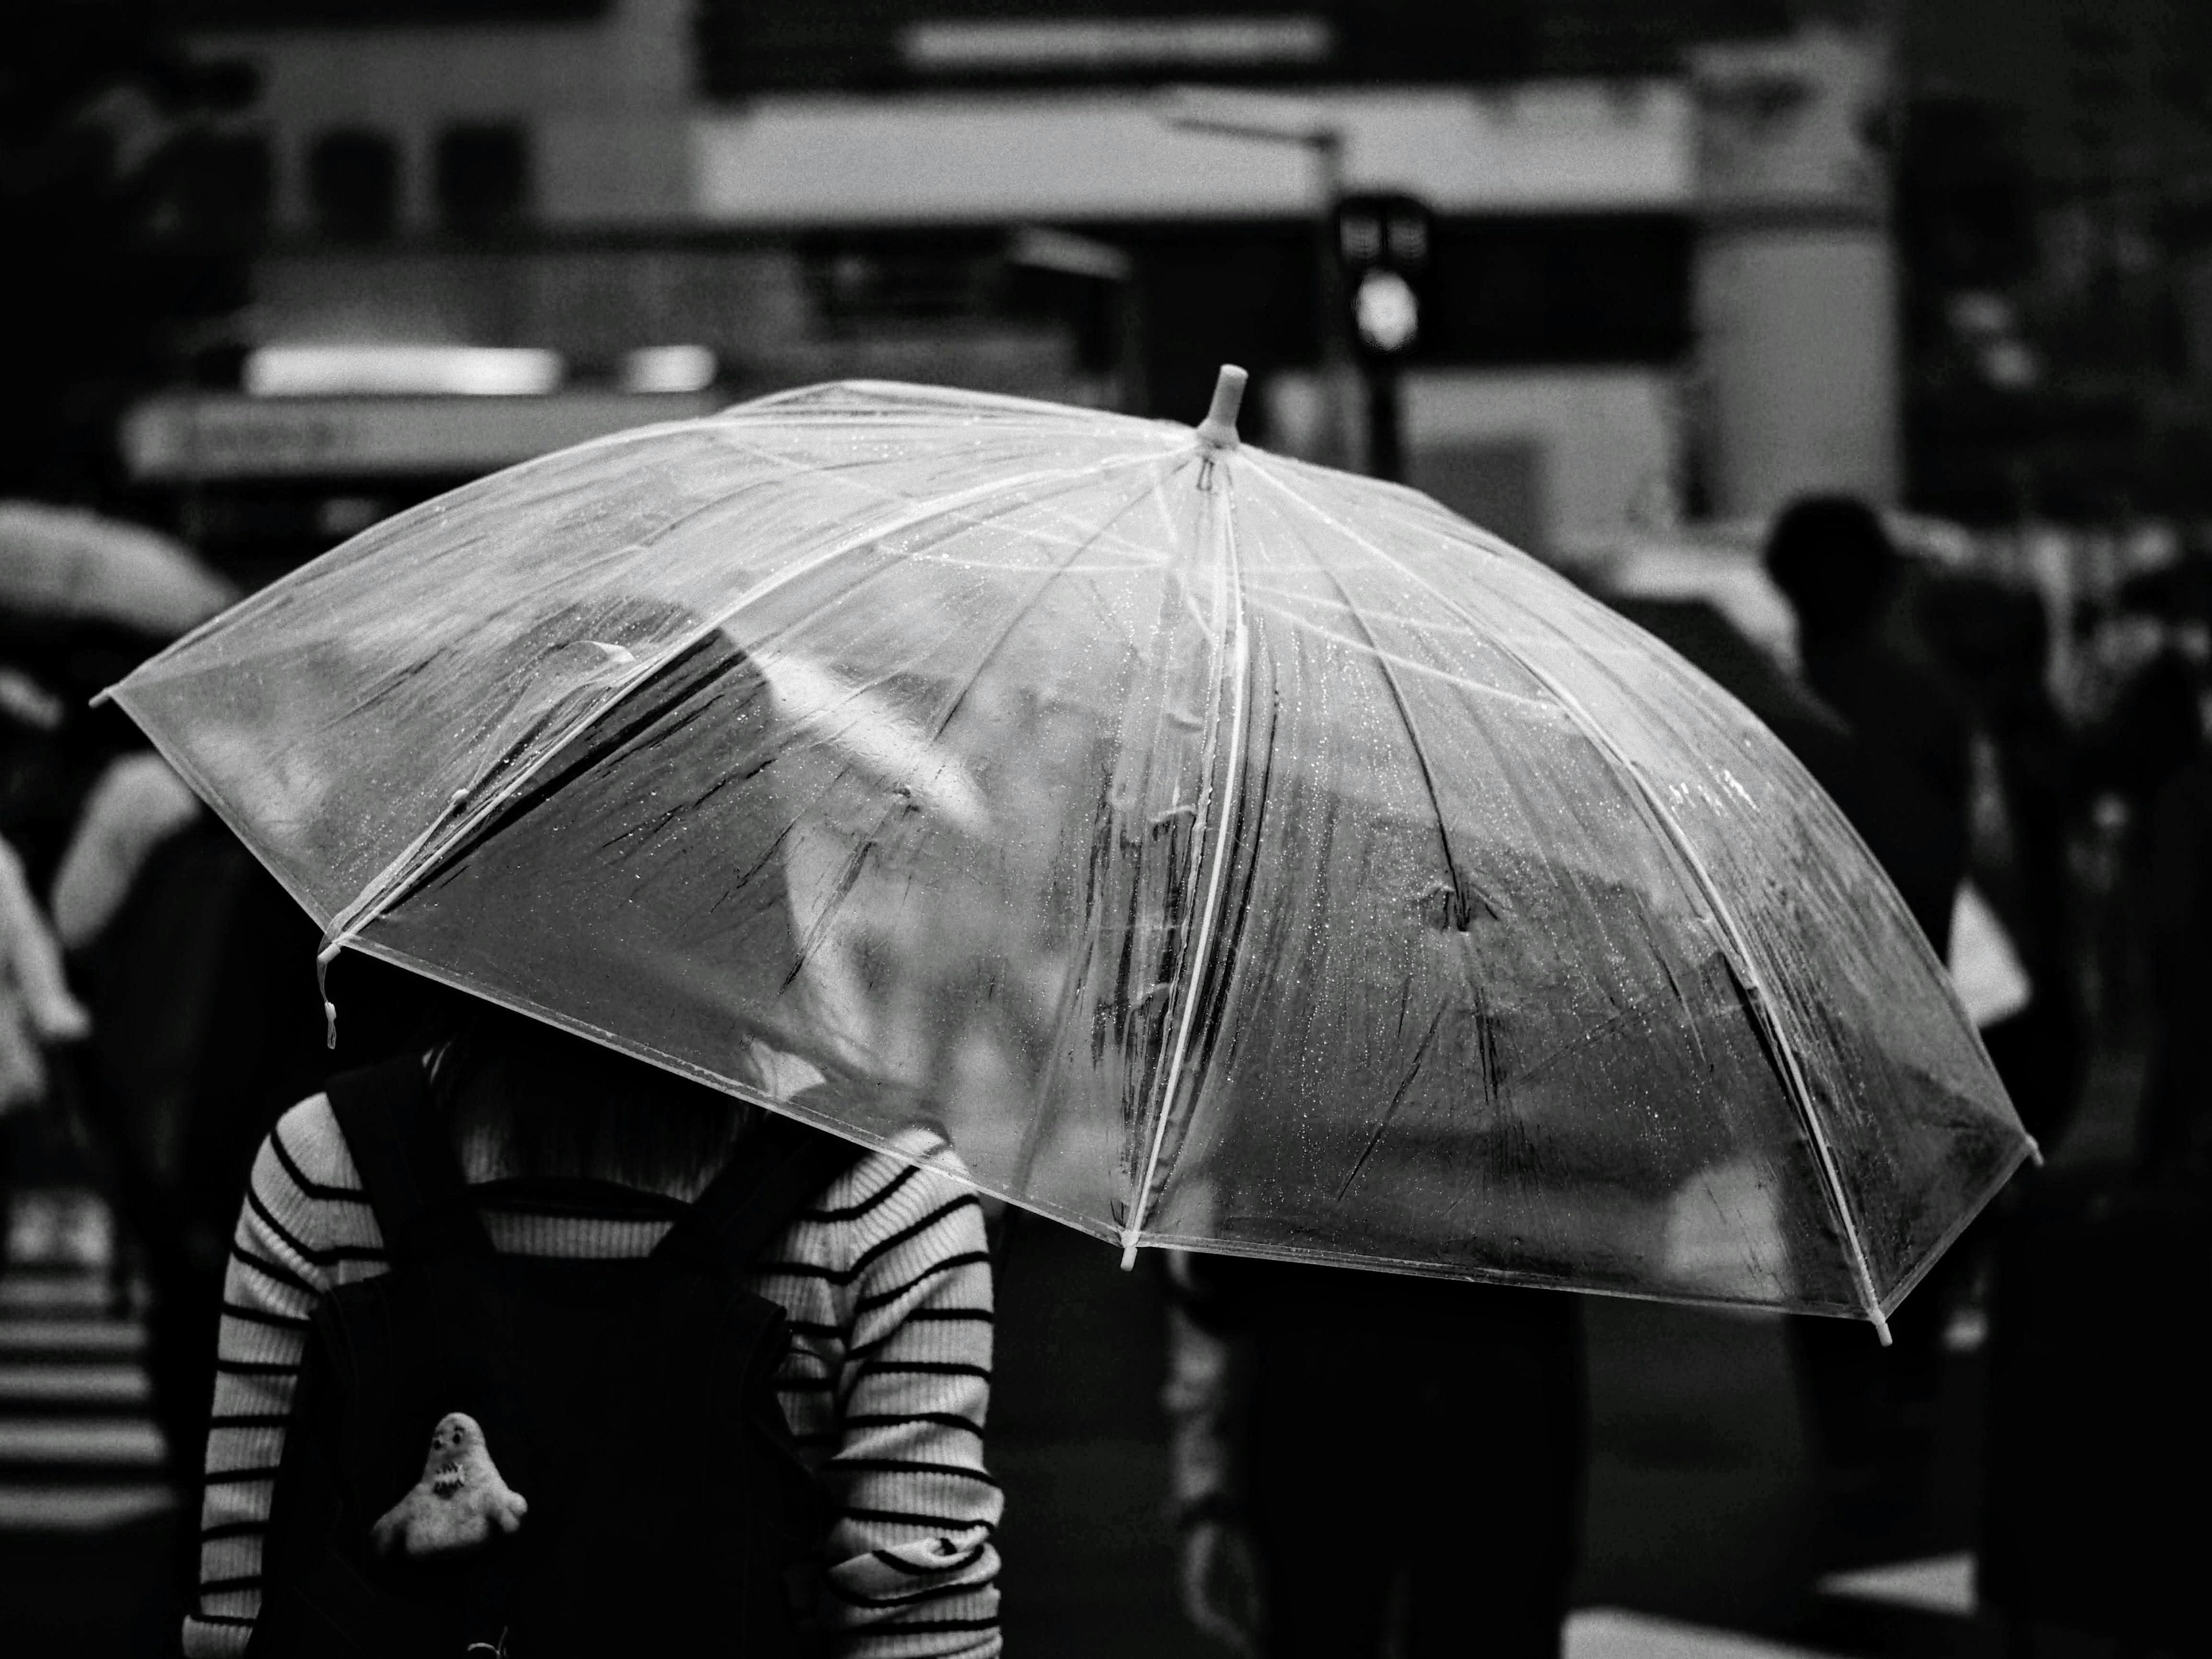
column 1226, row 852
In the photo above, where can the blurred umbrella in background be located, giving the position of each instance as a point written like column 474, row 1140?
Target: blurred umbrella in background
column 1227, row 852
column 67, row 566
column 84, row 599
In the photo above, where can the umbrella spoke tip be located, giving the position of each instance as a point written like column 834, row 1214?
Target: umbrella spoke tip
column 1218, row 429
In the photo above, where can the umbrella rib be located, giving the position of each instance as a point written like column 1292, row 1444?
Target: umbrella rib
column 467, row 811
column 1025, row 1160
column 1744, row 964
column 1462, row 909
column 983, row 660
column 1208, row 823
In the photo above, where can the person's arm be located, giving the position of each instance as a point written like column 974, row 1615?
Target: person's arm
column 911, row 1567
column 35, row 1004
column 282, row 1259
column 1219, row 1577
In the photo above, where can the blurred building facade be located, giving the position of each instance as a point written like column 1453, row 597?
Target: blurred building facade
column 2056, row 172
column 994, row 193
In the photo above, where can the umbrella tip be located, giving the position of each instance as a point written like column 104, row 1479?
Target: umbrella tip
column 1218, row 429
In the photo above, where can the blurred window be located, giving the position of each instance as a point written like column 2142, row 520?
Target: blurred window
column 225, row 183
column 1609, row 288
column 353, row 185
column 482, row 177
column 866, row 279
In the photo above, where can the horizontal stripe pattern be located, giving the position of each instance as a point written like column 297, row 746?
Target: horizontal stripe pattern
column 888, row 1285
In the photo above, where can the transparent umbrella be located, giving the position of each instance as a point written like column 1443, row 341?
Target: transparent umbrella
column 1226, row 853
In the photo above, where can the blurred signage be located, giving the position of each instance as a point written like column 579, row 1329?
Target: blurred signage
column 1100, row 45
column 340, row 370
column 185, row 437
column 356, row 14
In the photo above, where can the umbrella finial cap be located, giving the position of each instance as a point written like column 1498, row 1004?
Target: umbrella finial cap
column 1218, row 429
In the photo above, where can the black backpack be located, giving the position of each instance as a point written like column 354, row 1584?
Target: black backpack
column 631, row 1403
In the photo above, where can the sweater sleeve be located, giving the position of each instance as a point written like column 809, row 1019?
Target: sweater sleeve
column 291, row 1234
column 912, row 1569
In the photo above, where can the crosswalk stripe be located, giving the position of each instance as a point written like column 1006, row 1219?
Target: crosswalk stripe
column 78, row 1451
column 47, row 1291
column 48, row 1440
column 104, row 1385
column 22, row 1336
column 79, row 1509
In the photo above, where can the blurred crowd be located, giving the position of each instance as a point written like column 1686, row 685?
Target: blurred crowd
column 157, row 1006
column 2033, row 774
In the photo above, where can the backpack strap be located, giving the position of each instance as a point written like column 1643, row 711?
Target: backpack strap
column 408, row 1172
column 778, row 1167
column 415, row 1183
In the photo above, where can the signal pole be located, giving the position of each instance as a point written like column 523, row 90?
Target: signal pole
column 1288, row 121
column 1382, row 248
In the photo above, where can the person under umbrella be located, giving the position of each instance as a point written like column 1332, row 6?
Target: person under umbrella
column 573, row 1152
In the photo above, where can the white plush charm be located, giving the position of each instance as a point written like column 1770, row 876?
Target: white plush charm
column 458, row 1501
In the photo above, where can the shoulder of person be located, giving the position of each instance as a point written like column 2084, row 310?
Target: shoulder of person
column 916, row 1174
column 306, row 1148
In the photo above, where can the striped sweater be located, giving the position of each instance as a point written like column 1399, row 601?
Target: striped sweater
column 888, row 1287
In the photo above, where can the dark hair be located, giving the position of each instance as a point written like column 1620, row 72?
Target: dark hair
column 560, row 1105
column 1834, row 562
column 564, row 1107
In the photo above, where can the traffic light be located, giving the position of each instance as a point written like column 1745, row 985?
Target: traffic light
column 1382, row 246
column 1382, row 254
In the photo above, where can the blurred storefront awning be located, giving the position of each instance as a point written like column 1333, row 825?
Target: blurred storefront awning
column 189, row 436
column 994, row 158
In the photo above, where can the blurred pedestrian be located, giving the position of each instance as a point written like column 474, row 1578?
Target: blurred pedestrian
column 1835, row 563
column 2151, row 729
column 198, row 971
column 1364, row 1462
column 84, row 599
column 1896, row 818
column 2023, row 793
column 2174, row 1131
column 36, row 1009
column 2169, row 784
column 1873, row 1410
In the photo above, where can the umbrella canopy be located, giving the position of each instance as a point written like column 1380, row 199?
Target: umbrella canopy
column 1226, row 853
